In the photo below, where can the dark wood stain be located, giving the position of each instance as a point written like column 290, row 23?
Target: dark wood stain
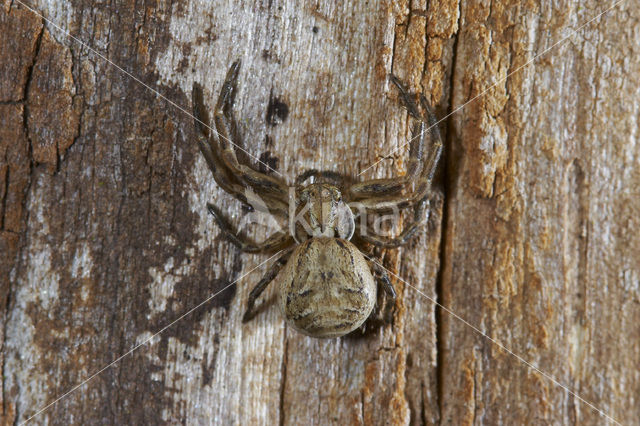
column 277, row 111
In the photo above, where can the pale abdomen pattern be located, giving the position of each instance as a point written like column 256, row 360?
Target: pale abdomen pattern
column 327, row 288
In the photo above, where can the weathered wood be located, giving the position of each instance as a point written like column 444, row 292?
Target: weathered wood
column 106, row 239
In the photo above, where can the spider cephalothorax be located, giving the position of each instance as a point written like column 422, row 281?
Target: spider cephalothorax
column 326, row 285
column 322, row 213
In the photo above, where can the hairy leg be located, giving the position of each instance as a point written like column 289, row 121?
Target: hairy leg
column 223, row 176
column 227, row 128
column 374, row 195
column 420, row 217
column 276, row 241
column 262, row 285
column 381, row 187
column 383, row 279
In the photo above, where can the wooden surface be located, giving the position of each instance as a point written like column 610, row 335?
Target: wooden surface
column 533, row 240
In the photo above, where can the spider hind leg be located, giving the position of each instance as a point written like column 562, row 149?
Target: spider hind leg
column 262, row 285
column 383, row 281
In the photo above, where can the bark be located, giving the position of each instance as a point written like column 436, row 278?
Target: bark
column 532, row 241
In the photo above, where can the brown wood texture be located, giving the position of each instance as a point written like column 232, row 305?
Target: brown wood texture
column 533, row 240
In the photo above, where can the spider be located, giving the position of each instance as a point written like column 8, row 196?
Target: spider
column 326, row 286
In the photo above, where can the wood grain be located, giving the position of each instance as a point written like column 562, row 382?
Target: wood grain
column 533, row 238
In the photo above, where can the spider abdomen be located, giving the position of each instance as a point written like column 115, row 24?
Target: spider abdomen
column 326, row 288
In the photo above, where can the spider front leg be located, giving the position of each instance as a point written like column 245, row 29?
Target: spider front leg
column 421, row 172
column 423, row 182
column 228, row 131
column 274, row 242
column 221, row 174
column 388, row 186
column 262, row 285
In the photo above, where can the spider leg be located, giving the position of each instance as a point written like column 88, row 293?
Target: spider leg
column 220, row 173
column 383, row 280
column 423, row 183
column 272, row 243
column 389, row 186
column 374, row 195
column 377, row 187
column 227, row 129
column 262, row 285
column 420, row 216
